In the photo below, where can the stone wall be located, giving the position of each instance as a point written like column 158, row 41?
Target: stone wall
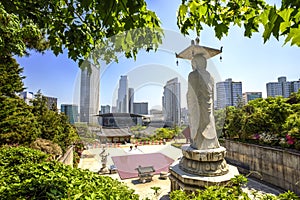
column 275, row 166
column 67, row 158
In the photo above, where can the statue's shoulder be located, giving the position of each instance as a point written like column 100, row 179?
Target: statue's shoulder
column 194, row 73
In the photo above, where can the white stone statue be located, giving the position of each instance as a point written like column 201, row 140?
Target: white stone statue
column 104, row 156
column 200, row 100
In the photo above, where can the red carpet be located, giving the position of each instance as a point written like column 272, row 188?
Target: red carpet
column 126, row 165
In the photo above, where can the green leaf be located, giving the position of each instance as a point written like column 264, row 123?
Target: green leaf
column 297, row 16
column 284, row 26
column 220, row 30
column 295, row 32
column 182, row 10
column 202, row 10
column 285, row 14
column 271, row 24
column 193, row 5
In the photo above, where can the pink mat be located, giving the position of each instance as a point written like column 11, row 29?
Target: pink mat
column 126, row 165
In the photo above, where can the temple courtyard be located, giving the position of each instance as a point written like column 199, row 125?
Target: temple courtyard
column 91, row 160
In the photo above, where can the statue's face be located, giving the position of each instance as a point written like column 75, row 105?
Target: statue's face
column 199, row 62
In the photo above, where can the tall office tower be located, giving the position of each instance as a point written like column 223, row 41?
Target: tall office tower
column 105, row 109
column 130, row 100
column 89, row 94
column 172, row 102
column 248, row 96
column 122, row 101
column 280, row 88
column 71, row 111
column 229, row 93
column 140, row 108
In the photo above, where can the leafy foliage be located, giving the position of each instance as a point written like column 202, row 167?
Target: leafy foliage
column 221, row 15
column 17, row 35
column 53, row 180
column 10, row 77
column 274, row 120
column 81, row 26
column 18, row 125
column 54, row 126
column 13, row 156
column 220, row 116
column 232, row 190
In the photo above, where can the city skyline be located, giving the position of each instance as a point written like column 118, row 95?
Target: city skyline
column 247, row 60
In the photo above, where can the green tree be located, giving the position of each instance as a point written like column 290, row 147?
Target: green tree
column 10, row 76
column 54, row 126
column 233, row 125
column 163, row 133
column 220, row 116
column 221, row 15
column 17, row 123
column 294, row 98
column 276, row 111
column 80, row 26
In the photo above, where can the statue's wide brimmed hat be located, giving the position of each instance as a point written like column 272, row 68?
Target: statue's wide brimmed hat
column 195, row 49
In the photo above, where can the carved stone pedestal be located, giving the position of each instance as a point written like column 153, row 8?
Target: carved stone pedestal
column 200, row 168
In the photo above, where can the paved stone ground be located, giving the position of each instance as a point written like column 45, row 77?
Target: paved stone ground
column 91, row 160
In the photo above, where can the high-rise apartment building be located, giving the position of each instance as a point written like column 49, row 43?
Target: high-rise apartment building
column 274, row 89
column 172, row 102
column 71, row 111
column 105, row 109
column 51, row 102
column 282, row 87
column 229, row 93
column 248, row 96
column 130, row 100
column 296, row 85
column 140, row 108
column 89, row 94
column 27, row 97
column 122, row 101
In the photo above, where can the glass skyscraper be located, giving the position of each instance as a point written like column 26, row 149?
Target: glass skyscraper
column 172, row 102
column 89, row 94
column 122, row 101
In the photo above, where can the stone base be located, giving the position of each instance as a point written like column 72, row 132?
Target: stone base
column 191, row 182
column 210, row 162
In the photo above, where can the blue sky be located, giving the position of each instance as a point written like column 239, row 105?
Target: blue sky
column 247, row 60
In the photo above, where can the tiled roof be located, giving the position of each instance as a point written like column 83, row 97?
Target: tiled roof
column 115, row 132
column 120, row 115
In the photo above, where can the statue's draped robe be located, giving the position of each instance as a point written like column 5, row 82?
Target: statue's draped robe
column 200, row 107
